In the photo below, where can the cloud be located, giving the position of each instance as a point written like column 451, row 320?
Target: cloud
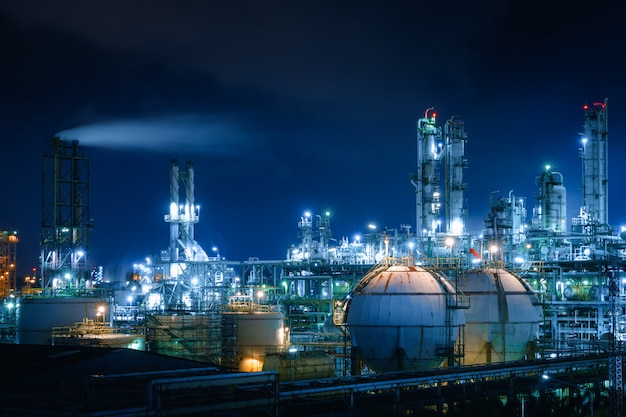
column 196, row 133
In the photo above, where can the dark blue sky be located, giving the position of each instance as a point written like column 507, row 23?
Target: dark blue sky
column 287, row 106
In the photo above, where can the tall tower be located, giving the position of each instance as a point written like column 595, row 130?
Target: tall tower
column 552, row 199
column 594, row 154
column 182, row 218
column 426, row 179
column 187, row 270
column 456, row 212
column 65, row 218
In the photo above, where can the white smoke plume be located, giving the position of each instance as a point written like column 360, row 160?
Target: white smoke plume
column 195, row 133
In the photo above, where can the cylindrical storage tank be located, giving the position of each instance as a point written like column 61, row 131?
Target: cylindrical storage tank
column 503, row 319
column 37, row 315
column 258, row 333
column 403, row 318
column 553, row 200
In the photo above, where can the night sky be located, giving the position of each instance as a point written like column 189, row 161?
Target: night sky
column 288, row 106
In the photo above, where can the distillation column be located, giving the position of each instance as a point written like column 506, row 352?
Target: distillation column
column 594, row 154
column 551, row 214
column 456, row 212
column 426, row 179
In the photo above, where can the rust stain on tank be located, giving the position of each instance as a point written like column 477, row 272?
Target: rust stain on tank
column 388, row 280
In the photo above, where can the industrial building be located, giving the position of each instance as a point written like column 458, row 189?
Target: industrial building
column 8, row 255
column 524, row 297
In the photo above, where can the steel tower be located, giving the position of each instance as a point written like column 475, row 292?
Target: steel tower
column 594, row 154
column 426, row 179
column 183, row 217
column 65, row 219
column 456, row 162
column 187, row 271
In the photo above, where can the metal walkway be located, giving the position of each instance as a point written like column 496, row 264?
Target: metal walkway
column 207, row 391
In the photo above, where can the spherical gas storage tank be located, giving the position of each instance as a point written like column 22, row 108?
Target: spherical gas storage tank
column 402, row 318
column 503, row 319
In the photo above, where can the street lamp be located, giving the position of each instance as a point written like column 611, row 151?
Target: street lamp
column 449, row 242
column 494, row 253
column 259, row 296
column 586, row 390
column 100, row 314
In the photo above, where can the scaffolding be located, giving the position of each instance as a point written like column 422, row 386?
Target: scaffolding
column 194, row 337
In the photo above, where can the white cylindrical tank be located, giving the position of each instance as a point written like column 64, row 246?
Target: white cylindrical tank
column 403, row 318
column 36, row 316
column 258, row 333
column 503, row 319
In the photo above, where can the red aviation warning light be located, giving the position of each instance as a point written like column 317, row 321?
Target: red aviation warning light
column 433, row 115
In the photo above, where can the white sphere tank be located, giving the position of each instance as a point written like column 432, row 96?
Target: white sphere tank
column 400, row 319
column 503, row 319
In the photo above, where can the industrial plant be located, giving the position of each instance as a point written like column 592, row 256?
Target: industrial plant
column 410, row 318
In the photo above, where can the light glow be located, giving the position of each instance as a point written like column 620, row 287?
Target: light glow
column 456, row 228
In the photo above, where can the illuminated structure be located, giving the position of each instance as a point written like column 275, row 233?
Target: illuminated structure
column 318, row 272
column 456, row 163
column 67, row 292
column 505, row 228
column 550, row 214
column 65, row 219
column 196, row 305
column 593, row 218
column 432, row 147
column 426, row 179
column 182, row 218
column 8, row 262
column 178, row 279
column 314, row 241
